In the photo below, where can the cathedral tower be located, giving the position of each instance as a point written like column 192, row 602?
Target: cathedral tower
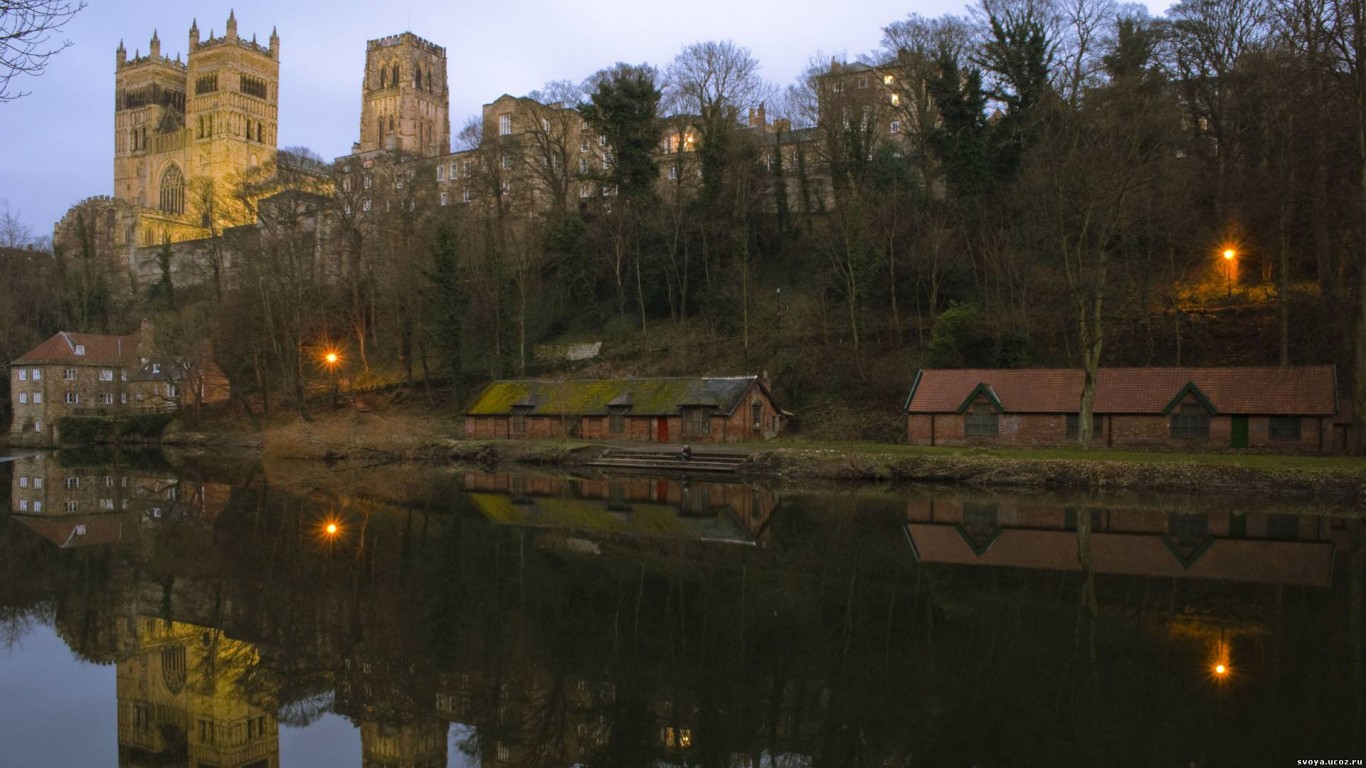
column 405, row 104
column 175, row 123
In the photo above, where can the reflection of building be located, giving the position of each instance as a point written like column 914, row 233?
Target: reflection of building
column 398, row 728
column 184, row 699
column 1229, row 546
column 104, row 504
column 637, row 506
column 654, row 410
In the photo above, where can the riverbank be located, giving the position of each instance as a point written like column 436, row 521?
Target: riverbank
column 418, row 434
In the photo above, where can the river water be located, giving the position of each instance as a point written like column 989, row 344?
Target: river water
column 226, row 614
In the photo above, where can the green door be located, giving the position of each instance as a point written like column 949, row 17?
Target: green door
column 1239, row 431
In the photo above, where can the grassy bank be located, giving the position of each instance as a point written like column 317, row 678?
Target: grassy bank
column 423, row 431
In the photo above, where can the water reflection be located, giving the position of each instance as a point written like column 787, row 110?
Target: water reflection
column 527, row 620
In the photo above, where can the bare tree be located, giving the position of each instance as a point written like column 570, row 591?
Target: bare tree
column 26, row 44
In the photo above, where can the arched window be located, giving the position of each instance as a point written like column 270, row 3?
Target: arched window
column 417, row 78
column 394, row 81
column 172, row 191
column 384, row 76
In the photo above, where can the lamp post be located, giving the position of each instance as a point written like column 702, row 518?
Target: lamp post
column 1229, row 255
column 332, row 358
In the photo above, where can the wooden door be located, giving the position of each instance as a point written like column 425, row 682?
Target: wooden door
column 1239, row 431
column 663, row 434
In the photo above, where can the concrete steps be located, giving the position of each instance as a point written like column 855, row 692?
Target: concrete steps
column 669, row 460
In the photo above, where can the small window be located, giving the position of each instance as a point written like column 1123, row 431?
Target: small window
column 80, row 350
column 1190, row 423
column 23, row 505
column 23, row 374
column 465, row 196
column 1284, row 428
column 505, row 125
column 896, row 126
column 1074, row 423
column 23, row 482
column 69, row 374
column 441, row 173
column 106, row 398
column 445, row 199
column 37, row 374
column 106, row 374
column 37, row 397
column 507, row 162
column 73, row 397
column 896, row 100
column 757, row 414
column 23, row 398
column 73, row 483
column 981, row 421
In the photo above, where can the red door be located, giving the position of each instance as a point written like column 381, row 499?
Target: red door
column 663, row 429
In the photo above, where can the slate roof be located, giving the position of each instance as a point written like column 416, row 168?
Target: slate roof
column 99, row 350
column 1303, row 391
column 590, row 397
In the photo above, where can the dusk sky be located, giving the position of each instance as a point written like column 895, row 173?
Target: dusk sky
column 59, row 139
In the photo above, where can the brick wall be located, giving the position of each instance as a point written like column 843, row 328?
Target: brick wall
column 1147, row 430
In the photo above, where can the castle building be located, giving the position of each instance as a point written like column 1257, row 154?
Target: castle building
column 405, row 99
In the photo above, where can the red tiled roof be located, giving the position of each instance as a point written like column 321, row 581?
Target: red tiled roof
column 1310, row 390
column 1249, row 560
column 99, row 350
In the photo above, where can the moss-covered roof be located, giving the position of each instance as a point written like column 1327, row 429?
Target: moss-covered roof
column 636, row 518
column 591, row 397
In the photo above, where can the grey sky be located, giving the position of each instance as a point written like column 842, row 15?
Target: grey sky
column 59, row 140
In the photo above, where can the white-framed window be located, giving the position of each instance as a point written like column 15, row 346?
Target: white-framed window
column 606, row 190
column 896, row 100
column 23, row 505
column 73, row 483
column 38, row 481
column 838, row 87
column 37, row 506
column 673, row 173
column 602, row 140
column 69, row 374
column 72, row 397
column 37, row 397
column 545, row 125
column 23, row 374
column 507, row 162
column 108, row 481
column 505, row 125
column 583, row 165
column 441, row 173
column 106, row 505
column 585, row 191
column 896, row 126
column 365, row 204
column 123, row 375
column 887, row 80
column 453, row 170
column 583, row 145
column 106, row 374
column 445, row 198
column 506, row 186
column 172, row 391
column 23, row 482
column 72, row 506
column 80, row 350
column 465, row 196
column 106, row 398
column 37, row 374
column 23, row 398
column 367, row 181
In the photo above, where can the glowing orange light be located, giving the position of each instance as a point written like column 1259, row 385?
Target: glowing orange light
column 1229, row 253
column 1221, row 670
column 331, row 358
column 332, row 531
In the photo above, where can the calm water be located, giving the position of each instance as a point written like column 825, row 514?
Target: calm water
column 211, row 616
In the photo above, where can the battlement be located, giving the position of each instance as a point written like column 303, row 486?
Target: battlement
column 218, row 42
column 409, row 38
column 162, row 61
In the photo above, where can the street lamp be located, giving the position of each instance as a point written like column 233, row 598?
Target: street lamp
column 331, row 359
column 1229, row 255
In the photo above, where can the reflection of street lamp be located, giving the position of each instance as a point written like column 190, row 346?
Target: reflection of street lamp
column 780, row 311
column 331, row 359
column 1229, row 254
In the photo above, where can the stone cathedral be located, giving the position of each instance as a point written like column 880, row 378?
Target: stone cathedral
column 186, row 131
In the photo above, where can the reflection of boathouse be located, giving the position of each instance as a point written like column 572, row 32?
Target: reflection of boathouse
column 1231, row 546
column 636, row 506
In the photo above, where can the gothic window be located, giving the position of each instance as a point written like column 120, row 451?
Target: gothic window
column 391, row 123
column 172, row 191
column 206, row 84
column 393, row 82
column 417, row 77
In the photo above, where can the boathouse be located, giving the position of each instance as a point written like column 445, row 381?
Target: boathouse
column 664, row 410
column 1289, row 409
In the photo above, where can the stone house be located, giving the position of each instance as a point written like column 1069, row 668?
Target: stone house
column 87, row 374
column 679, row 410
column 1288, row 409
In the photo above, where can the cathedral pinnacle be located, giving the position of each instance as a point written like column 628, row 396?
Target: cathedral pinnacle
column 232, row 25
